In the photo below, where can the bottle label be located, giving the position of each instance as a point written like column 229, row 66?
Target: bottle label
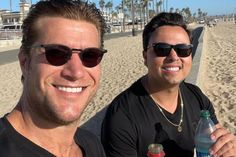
column 202, row 154
column 161, row 154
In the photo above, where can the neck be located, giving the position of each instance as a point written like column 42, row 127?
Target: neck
column 166, row 97
column 41, row 132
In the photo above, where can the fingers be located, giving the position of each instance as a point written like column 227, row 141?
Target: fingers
column 220, row 131
column 225, row 143
column 227, row 150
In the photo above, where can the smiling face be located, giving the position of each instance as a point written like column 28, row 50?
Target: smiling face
column 60, row 93
column 170, row 70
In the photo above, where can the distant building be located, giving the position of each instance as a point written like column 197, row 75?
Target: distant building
column 13, row 18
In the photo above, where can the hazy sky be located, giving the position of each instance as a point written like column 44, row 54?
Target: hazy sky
column 212, row 7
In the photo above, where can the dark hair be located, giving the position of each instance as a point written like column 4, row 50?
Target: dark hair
column 70, row 9
column 163, row 19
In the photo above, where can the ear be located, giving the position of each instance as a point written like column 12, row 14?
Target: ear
column 145, row 57
column 24, row 62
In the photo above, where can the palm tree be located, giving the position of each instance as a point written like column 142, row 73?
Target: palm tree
column 199, row 12
column 204, row 14
column 194, row 15
column 151, row 11
column 132, row 10
column 114, row 15
column 123, row 11
column 109, row 6
column 139, row 10
column 145, row 8
column 128, row 5
column 166, row 5
column 171, row 10
column 158, row 6
column 102, row 4
column 163, row 5
column 186, row 13
column 177, row 10
column 106, row 7
column 117, row 8
column 11, row 11
column 153, row 5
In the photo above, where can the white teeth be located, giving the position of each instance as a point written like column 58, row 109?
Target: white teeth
column 70, row 89
column 172, row 68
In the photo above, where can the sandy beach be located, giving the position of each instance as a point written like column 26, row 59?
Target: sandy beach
column 217, row 71
column 123, row 64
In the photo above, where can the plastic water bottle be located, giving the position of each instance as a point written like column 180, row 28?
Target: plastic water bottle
column 203, row 141
column 155, row 150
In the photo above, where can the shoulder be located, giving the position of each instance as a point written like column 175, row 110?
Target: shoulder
column 190, row 87
column 126, row 99
column 2, row 127
column 89, row 142
column 125, row 106
column 198, row 100
column 84, row 136
column 190, row 90
column 8, row 147
column 126, row 110
column 193, row 92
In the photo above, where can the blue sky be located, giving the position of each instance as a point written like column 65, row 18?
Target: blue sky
column 212, row 7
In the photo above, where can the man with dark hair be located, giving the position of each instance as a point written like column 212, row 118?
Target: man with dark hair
column 160, row 107
column 60, row 56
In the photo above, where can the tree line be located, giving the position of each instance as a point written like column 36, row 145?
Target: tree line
column 146, row 9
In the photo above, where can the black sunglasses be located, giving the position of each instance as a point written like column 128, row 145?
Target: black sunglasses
column 58, row 55
column 164, row 49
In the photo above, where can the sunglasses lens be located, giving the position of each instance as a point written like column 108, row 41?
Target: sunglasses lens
column 164, row 49
column 183, row 50
column 91, row 56
column 161, row 49
column 57, row 55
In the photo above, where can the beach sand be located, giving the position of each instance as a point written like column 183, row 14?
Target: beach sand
column 11, row 86
column 123, row 64
column 217, row 71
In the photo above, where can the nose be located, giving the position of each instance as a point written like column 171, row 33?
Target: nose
column 173, row 56
column 74, row 68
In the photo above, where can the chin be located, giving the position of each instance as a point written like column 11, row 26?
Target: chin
column 66, row 120
column 63, row 117
column 71, row 115
column 174, row 82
